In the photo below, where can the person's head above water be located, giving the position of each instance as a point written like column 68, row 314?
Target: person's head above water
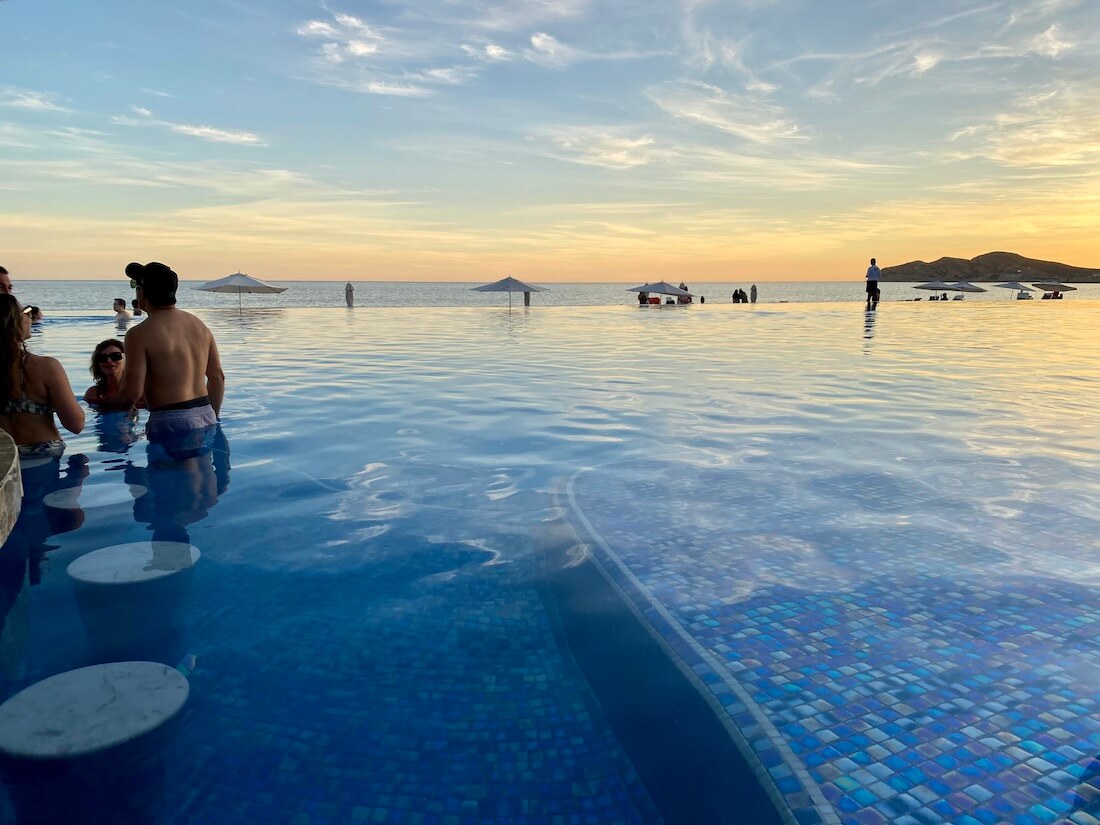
column 5, row 283
column 156, row 281
column 108, row 359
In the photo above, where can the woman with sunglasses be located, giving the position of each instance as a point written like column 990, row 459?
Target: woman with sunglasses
column 32, row 389
column 108, row 363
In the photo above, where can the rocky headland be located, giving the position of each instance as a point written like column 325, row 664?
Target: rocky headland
column 992, row 266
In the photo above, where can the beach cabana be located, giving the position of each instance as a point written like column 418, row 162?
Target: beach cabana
column 511, row 285
column 240, row 283
column 661, row 288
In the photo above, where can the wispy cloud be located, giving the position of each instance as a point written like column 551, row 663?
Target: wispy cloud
column 214, row 134
column 744, row 115
column 1057, row 126
column 595, row 146
column 29, row 100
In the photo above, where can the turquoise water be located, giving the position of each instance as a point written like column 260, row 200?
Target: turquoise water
column 867, row 542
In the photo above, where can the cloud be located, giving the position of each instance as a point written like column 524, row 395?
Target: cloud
column 746, row 116
column 487, row 52
column 595, row 146
column 29, row 100
column 1056, row 126
column 156, row 93
column 209, row 133
column 549, row 51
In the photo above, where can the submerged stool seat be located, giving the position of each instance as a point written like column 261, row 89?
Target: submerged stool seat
column 133, row 599
column 87, row 745
column 89, row 710
column 139, row 561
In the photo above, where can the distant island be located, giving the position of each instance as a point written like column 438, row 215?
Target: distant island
column 992, row 266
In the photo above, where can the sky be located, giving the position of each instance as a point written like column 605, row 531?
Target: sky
column 553, row 140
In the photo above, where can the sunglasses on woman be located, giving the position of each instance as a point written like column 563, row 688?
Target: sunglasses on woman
column 108, row 356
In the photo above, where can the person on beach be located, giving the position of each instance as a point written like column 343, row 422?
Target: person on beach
column 122, row 314
column 108, row 366
column 33, row 388
column 873, row 293
column 349, row 294
column 173, row 363
column 5, row 283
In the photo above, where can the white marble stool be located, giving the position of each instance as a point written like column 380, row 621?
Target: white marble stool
column 87, row 745
column 132, row 598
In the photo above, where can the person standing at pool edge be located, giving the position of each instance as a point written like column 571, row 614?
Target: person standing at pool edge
column 172, row 360
column 873, row 294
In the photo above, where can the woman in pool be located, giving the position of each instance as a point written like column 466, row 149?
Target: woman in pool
column 32, row 389
column 108, row 363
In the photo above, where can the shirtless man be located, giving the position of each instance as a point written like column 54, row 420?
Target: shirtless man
column 172, row 360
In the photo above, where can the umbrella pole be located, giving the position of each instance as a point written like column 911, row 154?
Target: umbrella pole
column 509, row 300
column 238, row 303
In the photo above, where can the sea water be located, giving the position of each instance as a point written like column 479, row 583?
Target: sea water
column 867, row 541
column 55, row 296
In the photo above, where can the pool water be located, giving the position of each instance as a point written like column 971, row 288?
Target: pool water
column 863, row 544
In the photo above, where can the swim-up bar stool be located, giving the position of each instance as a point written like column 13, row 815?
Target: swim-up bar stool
column 88, row 745
column 132, row 599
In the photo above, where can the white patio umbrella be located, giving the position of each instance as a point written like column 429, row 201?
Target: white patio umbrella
column 966, row 286
column 509, row 285
column 1052, row 287
column 240, row 283
column 661, row 288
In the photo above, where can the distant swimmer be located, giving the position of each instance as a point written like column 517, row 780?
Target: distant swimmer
column 349, row 294
column 122, row 314
column 873, row 292
column 173, row 362
column 752, row 293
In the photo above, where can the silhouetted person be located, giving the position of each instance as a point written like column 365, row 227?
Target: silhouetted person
column 873, row 275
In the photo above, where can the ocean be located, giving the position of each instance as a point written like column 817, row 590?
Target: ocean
column 52, row 296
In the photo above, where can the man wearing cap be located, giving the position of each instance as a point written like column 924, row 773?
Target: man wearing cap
column 172, row 360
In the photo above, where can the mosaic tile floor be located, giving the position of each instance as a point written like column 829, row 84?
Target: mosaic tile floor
column 882, row 672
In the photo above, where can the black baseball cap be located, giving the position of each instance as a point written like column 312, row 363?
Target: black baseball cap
column 153, row 274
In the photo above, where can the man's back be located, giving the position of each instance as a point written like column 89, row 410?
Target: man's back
column 175, row 353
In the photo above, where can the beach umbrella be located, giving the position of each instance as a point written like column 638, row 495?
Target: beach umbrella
column 509, row 285
column 240, row 283
column 1056, row 287
column 1016, row 285
column 966, row 286
column 661, row 288
column 936, row 286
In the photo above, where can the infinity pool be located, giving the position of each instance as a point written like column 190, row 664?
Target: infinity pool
column 597, row 565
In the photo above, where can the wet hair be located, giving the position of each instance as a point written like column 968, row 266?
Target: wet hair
column 11, row 344
column 97, row 373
